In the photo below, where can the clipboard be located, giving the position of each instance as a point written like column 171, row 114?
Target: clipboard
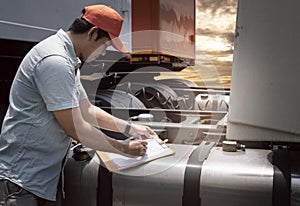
column 156, row 149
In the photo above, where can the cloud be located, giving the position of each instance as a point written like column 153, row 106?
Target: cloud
column 216, row 23
column 215, row 35
column 227, row 35
column 218, row 6
column 219, row 53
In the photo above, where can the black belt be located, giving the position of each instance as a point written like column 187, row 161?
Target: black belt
column 192, row 175
column 105, row 190
column 282, row 178
column 11, row 188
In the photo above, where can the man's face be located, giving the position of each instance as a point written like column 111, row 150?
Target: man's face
column 92, row 46
column 99, row 48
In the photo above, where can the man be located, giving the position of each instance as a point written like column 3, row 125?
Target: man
column 48, row 105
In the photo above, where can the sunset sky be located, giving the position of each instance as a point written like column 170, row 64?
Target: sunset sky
column 215, row 25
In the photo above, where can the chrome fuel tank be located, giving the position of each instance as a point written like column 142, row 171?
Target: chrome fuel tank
column 237, row 178
column 88, row 183
column 195, row 175
column 158, row 183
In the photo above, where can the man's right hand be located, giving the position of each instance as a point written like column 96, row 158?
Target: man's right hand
column 136, row 147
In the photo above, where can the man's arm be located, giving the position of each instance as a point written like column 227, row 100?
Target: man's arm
column 98, row 117
column 76, row 127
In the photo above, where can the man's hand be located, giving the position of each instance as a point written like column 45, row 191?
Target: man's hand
column 141, row 130
column 136, row 147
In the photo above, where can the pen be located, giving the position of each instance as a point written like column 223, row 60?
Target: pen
column 164, row 141
column 139, row 137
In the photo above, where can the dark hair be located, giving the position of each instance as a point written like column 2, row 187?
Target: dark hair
column 80, row 26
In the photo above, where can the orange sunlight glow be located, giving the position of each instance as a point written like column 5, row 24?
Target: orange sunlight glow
column 206, row 43
column 215, row 24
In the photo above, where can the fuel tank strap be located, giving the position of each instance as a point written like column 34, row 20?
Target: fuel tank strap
column 104, row 191
column 282, row 178
column 191, row 187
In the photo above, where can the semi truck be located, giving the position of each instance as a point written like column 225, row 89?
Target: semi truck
column 232, row 147
column 161, row 39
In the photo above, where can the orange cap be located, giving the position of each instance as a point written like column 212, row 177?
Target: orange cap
column 108, row 20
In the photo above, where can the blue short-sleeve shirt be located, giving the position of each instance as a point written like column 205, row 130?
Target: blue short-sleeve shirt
column 32, row 143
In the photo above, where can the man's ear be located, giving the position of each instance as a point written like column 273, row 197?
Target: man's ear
column 92, row 33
